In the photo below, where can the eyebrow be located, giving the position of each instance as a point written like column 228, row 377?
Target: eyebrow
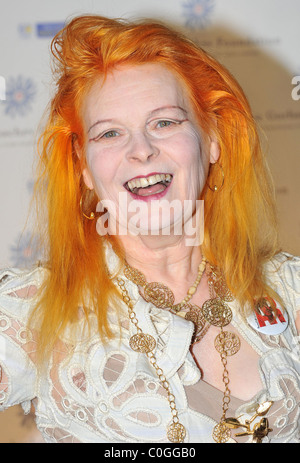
column 152, row 113
column 100, row 122
column 167, row 107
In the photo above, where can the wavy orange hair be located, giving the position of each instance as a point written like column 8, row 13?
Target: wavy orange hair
column 240, row 220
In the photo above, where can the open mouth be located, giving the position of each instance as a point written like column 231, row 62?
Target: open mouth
column 151, row 185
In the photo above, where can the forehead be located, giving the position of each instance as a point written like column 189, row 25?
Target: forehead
column 146, row 84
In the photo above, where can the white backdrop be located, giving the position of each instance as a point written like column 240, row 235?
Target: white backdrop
column 257, row 40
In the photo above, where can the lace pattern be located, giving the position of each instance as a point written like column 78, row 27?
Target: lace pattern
column 106, row 393
column 98, row 393
column 17, row 346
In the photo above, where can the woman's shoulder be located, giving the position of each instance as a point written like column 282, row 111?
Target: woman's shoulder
column 13, row 278
column 283, row 273
column 285, row 266
column 18, row 288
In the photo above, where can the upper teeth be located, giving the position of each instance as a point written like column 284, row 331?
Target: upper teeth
column 143, row 182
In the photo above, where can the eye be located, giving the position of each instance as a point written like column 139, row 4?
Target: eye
column 106, row 135
column 162, row 124
column 164, row 127
column 110, row 134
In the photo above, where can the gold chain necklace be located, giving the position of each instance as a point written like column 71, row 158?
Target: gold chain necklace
column 215, row 312
column 161, row 296
column 219, row 314
column 158, row 293
column 145, row 343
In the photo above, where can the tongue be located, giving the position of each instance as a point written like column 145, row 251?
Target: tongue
column 150, row 190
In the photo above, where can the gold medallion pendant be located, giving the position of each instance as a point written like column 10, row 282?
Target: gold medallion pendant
column 176, row 432
column 142, row 342
column 227, row 343
column 159, row 295
column 195, row 315
column 221, row 433
column 216, row 312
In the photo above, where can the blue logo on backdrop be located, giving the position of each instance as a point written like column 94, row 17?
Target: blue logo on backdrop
column 48, row 29
column 20, row 92
column 41, row 30
column 197, row 13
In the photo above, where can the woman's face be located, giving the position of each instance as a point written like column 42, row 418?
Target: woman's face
column 143, row 146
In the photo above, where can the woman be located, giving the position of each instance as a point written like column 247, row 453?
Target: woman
column 129, row 333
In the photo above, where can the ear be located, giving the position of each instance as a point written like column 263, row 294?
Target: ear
column 87, row 178
column 214, row 152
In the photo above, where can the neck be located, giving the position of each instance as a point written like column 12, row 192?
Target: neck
column 164, row 258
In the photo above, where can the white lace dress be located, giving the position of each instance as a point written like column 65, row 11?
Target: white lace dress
column 111, row 394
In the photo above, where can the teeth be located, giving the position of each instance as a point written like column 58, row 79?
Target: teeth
column 143, row 182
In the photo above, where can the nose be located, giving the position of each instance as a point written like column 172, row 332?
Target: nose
column 141, row 148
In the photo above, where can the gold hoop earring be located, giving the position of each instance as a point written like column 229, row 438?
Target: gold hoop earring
column 216, row 188
column 91, row 216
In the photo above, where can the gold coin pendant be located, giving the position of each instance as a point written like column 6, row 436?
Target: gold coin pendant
column 142, row 342
column 176, row 432
column 221, row 433
column 216, row 312
column 159, row 295
column 227, row 343
column 195, row 315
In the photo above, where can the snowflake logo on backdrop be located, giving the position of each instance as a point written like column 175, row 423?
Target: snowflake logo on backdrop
column 197, row 13
column 20, row 93
column 24, row 252
column 25, row 30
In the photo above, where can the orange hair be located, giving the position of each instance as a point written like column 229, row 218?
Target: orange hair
column 240, row 219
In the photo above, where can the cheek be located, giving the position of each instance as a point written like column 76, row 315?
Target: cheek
column 196, row 157
column 191, row 145
column 194, row 166
column 101, row 167
column 184, row 147
column 190, row 158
